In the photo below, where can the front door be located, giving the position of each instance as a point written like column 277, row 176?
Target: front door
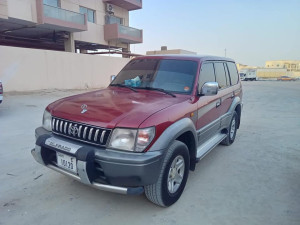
column 208, row 122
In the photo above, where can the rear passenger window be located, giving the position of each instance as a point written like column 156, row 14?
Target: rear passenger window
column 233, row 73
column 227, row 74
column 207, row 74
column 220, row 75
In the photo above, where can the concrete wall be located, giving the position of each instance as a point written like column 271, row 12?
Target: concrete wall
column 3, row 9
column 270, row 73
column 24, row 69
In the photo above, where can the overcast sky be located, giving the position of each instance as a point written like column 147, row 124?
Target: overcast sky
column 252, row 31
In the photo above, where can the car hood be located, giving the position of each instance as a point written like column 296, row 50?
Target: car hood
column 113, row 107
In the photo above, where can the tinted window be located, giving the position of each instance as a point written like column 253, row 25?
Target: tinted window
column 227, row 74
column 207, row 74
column 233, row 73
column 171, row 75
column 220, row 75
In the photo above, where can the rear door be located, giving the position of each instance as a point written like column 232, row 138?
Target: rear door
column 225, row 90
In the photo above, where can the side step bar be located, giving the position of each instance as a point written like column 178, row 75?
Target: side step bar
column 206, row 147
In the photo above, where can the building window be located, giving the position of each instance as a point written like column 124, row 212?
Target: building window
column 55, row 3
column 89, row 13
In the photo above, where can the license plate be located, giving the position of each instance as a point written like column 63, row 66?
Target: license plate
column 66, row 162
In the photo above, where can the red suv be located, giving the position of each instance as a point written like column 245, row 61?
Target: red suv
column 147, row 129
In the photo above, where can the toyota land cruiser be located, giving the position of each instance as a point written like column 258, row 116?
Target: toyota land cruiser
column 147, row 129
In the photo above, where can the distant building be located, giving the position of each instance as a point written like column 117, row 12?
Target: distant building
column 290, row 65
column 275, row 69
column 242, row 66
column 164, row 50
column 68, row 25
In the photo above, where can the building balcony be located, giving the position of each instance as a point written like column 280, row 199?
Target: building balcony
column 126, row 4
column 60, row 19
column 124, row 34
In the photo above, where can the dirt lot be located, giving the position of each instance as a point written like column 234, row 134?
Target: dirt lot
column 254, row 181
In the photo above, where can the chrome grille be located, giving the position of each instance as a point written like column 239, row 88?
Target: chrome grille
column 81, row 132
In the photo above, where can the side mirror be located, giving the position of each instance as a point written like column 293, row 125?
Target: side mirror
column 209, row 88
column 112, row 77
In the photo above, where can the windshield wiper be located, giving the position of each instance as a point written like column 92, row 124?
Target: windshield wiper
column 123, row 85
column 159, row 89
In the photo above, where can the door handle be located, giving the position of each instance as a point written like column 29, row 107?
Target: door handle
column 232, row 95
column 218, row 103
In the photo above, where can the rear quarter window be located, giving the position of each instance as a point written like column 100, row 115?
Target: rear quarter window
column 233, row 73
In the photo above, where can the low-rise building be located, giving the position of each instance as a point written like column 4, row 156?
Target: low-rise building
column 67, row 25
column 289, row 65
column 164, row 50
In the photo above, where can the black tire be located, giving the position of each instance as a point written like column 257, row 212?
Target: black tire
column 159, row 193
column 231, row 137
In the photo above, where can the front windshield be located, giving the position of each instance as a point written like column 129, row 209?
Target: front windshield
column 171, row 75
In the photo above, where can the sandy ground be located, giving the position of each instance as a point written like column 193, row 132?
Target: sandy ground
column 254, row 181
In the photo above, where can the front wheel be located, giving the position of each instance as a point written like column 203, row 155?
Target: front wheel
column 232, row 129
column 173, row 176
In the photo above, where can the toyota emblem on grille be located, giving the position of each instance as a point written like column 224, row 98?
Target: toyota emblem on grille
column 73, row 130
column 84, row 108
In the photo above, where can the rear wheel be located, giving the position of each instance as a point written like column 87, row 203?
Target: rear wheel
column 231, row 130
column 172, row 179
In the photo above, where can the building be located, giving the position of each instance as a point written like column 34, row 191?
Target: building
column 68, row 25
column 290, row 65
column 164, row 50
column 242, row 66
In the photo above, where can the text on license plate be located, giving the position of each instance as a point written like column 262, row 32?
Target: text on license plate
column 66, row 162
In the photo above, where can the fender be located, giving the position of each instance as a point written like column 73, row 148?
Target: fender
column 173, row 132
column 236, row 101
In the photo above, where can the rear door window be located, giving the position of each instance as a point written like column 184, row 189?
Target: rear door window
column 220, row 75
column 207, row 74
column 227, row 74
column 234, row 76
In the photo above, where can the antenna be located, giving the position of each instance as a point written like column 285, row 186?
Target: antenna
column 225, row 51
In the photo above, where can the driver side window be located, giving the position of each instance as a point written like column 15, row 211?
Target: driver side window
column 207, row 74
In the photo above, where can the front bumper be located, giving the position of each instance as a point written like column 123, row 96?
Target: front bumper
column 104, row 169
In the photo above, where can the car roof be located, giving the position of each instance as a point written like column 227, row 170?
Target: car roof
column 188, row 57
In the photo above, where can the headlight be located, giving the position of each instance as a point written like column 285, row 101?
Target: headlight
column 132, row 139
column 47, row 118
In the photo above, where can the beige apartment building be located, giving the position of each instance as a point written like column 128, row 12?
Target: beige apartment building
column 69, row 25
column 290, row 65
